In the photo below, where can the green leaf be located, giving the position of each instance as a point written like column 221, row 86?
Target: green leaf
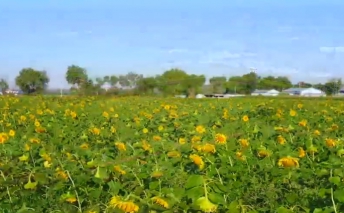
column 101, row 173
column 153, row 185
column 178, row 193
column 234, row 207
column 95, row 193
column 335, row 180
column 24, row 209
column 317, row 210
column 30, row 185
column 339, row 195
column 114, row 187
column 193, row 181
column 291, row 197
column 283, row 210
column 195, row 193
column 216, row 198
column 41, row 178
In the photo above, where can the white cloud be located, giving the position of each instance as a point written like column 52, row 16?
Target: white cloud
column 177, row 50
column 284, row 29
column 338, row 49
column 295, row 38
column 224, row 57
column 69, row 34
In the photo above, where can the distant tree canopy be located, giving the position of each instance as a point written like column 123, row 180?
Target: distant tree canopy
column 32, row 81
column 170, row 83
column 3, row 85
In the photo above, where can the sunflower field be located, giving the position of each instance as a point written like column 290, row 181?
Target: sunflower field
column 240, row 155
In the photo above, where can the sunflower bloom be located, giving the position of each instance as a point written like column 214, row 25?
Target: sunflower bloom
column 316, row 132
column 262, row 153
column 71, row 199
column 157, row 174
column 244, row 142
column 120, row 146
column 128, row 206
column 12, row 133
column 84, row 146
column 281, row 140
column 200, row 129
column 292, row 113
column 182, row 141
column 146, row 146
column 173, row 154
column 303, row 123
column 208, row 148
column 125, row 206
column 330, row 142
column 119, row 170
column 3, row 138
column 197, row 147
column 195, row 139
column 95, row 131
column 288, row 162
column 220, row 138
column 160, row 202
column 197, row 160
column 205, row 205
column 240, row 156
column 245, row 118
column 156, row 138
column 302, row 152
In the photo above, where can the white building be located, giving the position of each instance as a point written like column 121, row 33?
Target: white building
column 307, row 92
column 200, row 96
column 106, row 86
column 312, row 92
column 271, row 92
column 180, row 96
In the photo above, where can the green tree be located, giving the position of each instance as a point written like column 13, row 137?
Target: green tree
column 333, row 86
column 235, row 84
column 218, row 84
column 97, row 85
column 146, row 85
column 76, row 75
column 270, row 82
column 32, row 81
column 3, row 85
column 171, row 81
column 113, row 80
column 129, row 80
column 303, row 84
column 192, row 84
column 106, row 79
column 100, row 81
column 249, row 82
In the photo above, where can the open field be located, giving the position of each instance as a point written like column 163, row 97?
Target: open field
column 240, row 155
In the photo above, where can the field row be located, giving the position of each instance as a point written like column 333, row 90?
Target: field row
column 240, row 155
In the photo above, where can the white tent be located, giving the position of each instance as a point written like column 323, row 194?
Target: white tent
column 106, row 86
column 272, row 92
column 200, row 96
column 312, row 92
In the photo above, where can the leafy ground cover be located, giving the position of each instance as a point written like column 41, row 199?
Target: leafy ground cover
column 240, row 155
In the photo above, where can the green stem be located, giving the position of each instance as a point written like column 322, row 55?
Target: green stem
column 205, row 189
column 332, row 196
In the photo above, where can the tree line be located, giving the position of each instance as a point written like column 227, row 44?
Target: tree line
column 171, row 82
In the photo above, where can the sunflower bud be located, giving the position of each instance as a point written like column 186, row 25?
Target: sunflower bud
column 205, row 205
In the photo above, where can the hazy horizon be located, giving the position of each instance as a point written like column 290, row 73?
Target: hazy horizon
column 300, row 40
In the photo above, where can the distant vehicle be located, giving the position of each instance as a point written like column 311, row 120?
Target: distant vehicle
column 14, row 92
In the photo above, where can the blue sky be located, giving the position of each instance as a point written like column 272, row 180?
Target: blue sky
column 302, row 40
